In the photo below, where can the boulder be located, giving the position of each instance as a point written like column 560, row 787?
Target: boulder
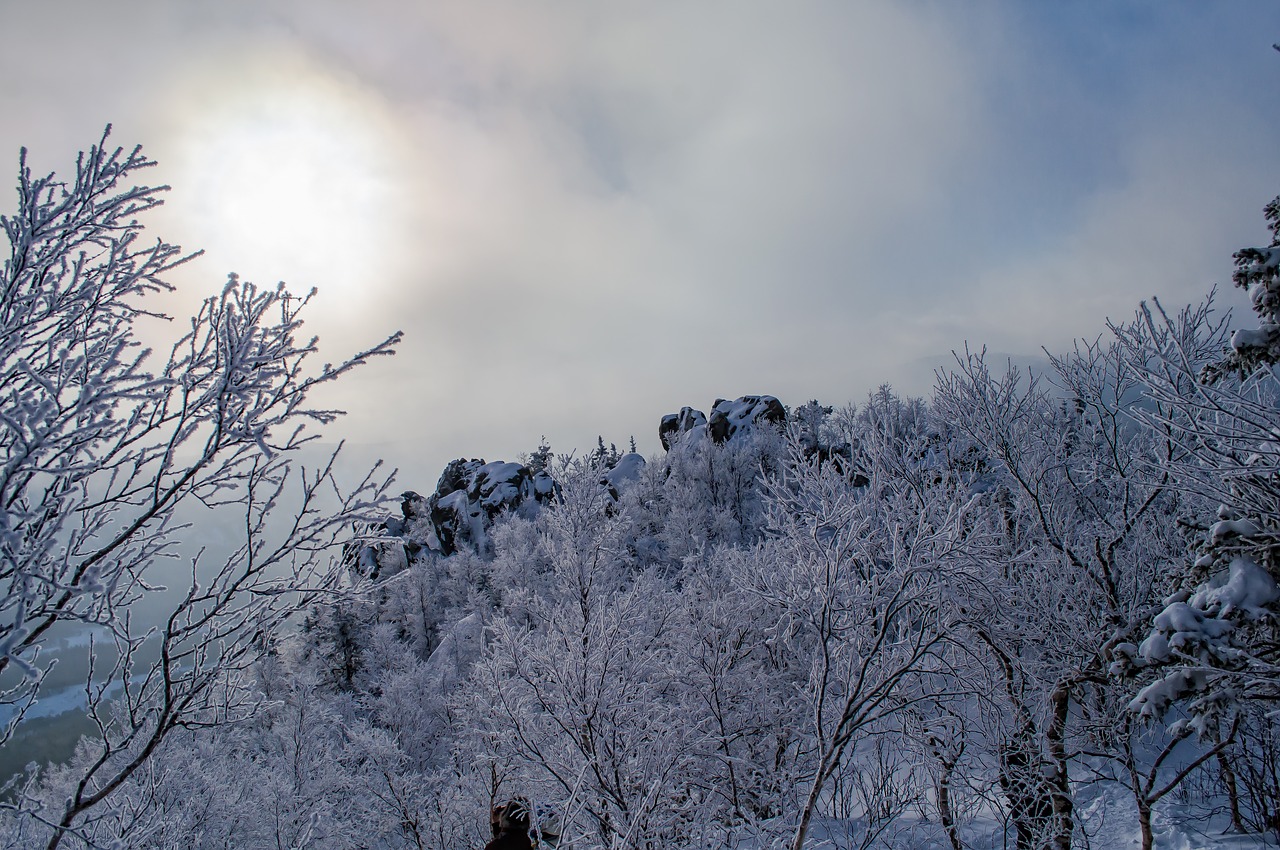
column 472, row 492
column 727, row 419
column 623, row 473
column 730, row 417
column 469, row 495
column 675, row 424
column 383, row 558
column 451, row 661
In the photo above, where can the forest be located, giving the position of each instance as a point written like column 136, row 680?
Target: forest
column 1036, row 609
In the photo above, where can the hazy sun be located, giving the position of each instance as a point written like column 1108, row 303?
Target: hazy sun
column 286, row 172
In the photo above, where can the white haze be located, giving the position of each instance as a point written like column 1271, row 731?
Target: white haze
column 585, row 217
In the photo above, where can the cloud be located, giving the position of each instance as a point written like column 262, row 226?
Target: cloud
column 655, row 207
column 612, row 211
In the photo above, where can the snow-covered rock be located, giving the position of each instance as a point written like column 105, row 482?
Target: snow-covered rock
column 731, row 417
column 459, row 514
column 623, row 473
column 451, row 661
column 675, row 424
column 471, row 493
column 383, row 558
column 727, row 419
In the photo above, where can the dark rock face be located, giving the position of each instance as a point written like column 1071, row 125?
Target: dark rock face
column 381, row 558
column 675, row 424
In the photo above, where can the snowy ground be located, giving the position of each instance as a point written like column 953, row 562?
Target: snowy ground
column 1108, row 819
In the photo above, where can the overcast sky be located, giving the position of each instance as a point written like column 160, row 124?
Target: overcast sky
column 585, row 215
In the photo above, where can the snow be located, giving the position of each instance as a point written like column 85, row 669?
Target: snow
column 452, row 659
column 742, row 413
column 1249, row 589
column 626, row 471
column 1231, row 527
column 1106, row 815
column 544, row 486
column 497, row 484
column 1179, row 617
column 1260, row 338
column 455, row 501
column 690, row 428
column 1155, row 649
column 1267, row 262
column 1154, row 700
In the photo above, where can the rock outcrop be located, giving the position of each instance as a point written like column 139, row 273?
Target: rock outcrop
column 458, row 515
column 623, row 473
column 471, row 493
column 730, row 417
column 727, row 419
column 451, row 661
column 675, row 424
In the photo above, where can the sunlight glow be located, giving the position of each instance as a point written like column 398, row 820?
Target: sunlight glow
column 288, row 173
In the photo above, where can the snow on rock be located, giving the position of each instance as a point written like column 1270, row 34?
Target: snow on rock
column 499, row 484
column 727, row 419
column 471, row 493
column 451, row 661
column 675, row 424
column 459, row 514
column 624, row 473
column 383, row 550
column 383, row 558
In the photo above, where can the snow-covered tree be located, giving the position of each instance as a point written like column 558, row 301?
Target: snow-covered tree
column 1082, row 500
column 853, row 582
column 1217, row 398
column 103, row 440
column 580, row 707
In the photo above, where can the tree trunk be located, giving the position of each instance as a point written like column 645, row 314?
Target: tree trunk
column 1022, row 781
column 1060, row 782
column 826, row 767
column 1233, row 792
column 806, row 814
column 1144, row 821
column 945, row 815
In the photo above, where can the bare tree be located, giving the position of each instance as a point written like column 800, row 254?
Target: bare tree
column 855, row 579
column 579, row 706
column 100, row 448
column 1087, row 510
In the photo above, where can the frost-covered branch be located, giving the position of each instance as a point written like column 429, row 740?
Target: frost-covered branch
column 102, row 442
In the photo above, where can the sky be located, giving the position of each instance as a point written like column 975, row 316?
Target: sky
column 586, row 215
